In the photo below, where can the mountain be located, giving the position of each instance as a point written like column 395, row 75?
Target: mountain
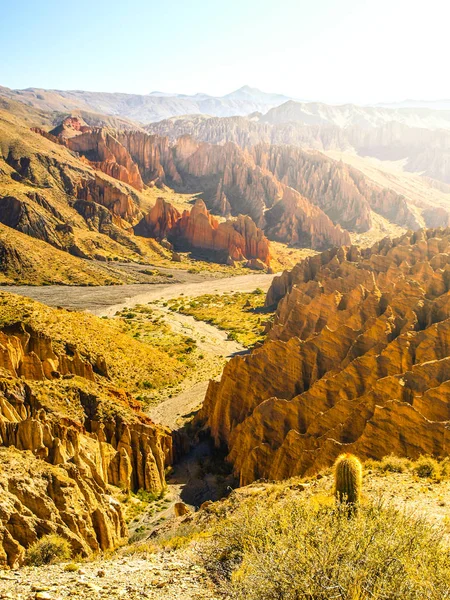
column 59, row 210
column 147, row 108
column 356, row 360
column 348, row 115
column 433, row 104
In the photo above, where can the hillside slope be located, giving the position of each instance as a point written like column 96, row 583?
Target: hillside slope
column 356, row 359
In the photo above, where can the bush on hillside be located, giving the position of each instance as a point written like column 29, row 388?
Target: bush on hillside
column 426, row 466
column 49, row 549
column 316, row 552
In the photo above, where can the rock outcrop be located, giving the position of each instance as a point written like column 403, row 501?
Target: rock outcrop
column 197, row 230
column 301, row 223
column 154, row 156
column 234, row 183
column 342, row 192
column 38, row 498
column 233, row 180
column 357, row 360
column 107, row 154
column 68, row 436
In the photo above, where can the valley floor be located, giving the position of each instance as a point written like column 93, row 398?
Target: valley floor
column 168, row 575
column 107, row 300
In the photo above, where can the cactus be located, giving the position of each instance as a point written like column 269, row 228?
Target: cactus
column 348, row 479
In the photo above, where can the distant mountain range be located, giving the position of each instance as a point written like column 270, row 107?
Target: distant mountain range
column 246, row 101
column 433, row 104
column 151, row 107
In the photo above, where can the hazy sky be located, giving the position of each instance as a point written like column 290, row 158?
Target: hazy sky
column 359, row 51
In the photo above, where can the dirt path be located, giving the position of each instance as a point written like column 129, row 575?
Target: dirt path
column 242, row 283
column 174, row 411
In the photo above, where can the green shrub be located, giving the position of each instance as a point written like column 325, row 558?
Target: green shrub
column 426, row 466
column 304, row 550
column 49, row 549
column 394, row 464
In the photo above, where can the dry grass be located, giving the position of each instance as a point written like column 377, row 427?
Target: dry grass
column 48, row 550
column 315, row 551
column 155, row 361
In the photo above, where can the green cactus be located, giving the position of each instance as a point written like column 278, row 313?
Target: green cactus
column 348, row 479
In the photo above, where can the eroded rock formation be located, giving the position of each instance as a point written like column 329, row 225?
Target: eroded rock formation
column 234, row 181
column 357, row 359
column 38, row 498
column 73, row 435
column 196, row 229
column 107, row 154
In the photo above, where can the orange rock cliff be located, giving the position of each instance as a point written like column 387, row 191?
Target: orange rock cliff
column 357, row 360
column 234, row 240
column 63, row 445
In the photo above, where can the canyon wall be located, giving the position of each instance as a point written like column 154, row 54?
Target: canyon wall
column 66, row 436
column 357, row 360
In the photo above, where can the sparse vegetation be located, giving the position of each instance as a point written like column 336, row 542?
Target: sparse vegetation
column 49, row 549
column 312, row 550
column 426, row 466
column 142, row 353
column 241, row 314
column 393, row 464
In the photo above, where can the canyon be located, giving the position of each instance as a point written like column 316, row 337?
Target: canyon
column 351, row 353
column 90, row 190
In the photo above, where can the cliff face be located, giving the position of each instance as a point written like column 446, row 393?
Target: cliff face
column 423, row 150
column 341, row 191
column 66, row 435
column 197, row 229
column 235, row 181
column 107, row 154
column 152, row 154
column 40, row 497
column 357, row 360
column 99, row 146
column 295, row 220
column 51, row 194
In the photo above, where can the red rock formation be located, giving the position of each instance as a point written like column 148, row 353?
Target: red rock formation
column 106, row 154
column 358, row 360
column 71, row 126
column 99, row 146
column 161, row 220
column 153, row 155
column 237, row 239
column 248, row 189
column 116, row 199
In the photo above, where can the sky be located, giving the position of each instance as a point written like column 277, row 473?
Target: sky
column 335, row 51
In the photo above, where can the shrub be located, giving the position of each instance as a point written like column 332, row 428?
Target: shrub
column 426, row 466
column 394, row 464
column 348, row 479
column 304, row 550
column 49, row 549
